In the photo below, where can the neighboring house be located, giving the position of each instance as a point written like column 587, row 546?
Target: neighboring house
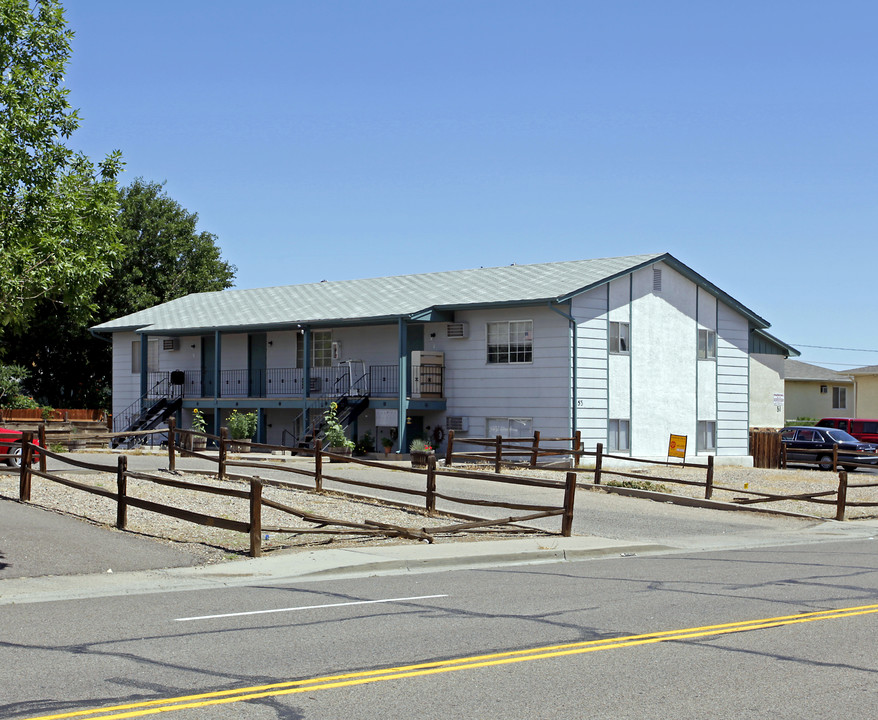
column 767, row 372
column 625, row 350
column 817, row 392
column 866, row 393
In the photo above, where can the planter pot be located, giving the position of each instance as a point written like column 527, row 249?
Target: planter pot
column 419, row 459
column 346, row 451
column 238, row 447
column 196, row 443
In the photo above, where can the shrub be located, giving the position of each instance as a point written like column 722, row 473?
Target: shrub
column 242, row 426
column 640, row 485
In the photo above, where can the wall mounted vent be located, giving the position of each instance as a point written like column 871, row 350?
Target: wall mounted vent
column 171, row 344
column 458, row 330
column 457, row 423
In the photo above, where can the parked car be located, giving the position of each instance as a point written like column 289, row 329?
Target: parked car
column 862, row 429
column 10, row 445
column 799, row 438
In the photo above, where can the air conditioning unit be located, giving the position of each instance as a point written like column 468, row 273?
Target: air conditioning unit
column 171, row 344
column 457, row 331
column 457, row 423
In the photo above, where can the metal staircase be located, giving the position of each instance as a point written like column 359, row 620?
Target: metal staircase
column 147, row 413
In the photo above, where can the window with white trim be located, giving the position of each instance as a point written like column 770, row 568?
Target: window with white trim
column 620, row 341
column 706, row 345
column 321, row 349
column 839, row 398
column 705, row 438
column 152, row 361
column 619, row 436
column 509, row 427
column 510, row 342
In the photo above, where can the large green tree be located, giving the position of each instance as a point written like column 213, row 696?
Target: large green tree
column 57, row 209
column 162, row 256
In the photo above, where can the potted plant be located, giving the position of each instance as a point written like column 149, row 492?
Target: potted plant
column 365, row 444
column 242, row 426
column 199, row 425
column 387, row 444
column 333, row 434
column 420, row 451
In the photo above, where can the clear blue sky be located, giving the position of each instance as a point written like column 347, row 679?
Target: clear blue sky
column 339, row 139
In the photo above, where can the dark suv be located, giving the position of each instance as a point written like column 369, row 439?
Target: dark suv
column 815, row 439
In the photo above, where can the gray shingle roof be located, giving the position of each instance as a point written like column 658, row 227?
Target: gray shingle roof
column 389, row 298
column 798, row 370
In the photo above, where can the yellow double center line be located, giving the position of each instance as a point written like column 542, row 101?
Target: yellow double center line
column 221, row 697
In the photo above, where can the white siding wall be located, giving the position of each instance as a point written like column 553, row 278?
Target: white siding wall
column 126, row 385
column 281, row 350
column 540, row 390
column 707, row 375
column 619, row 401
column 592, row 369
column 234, row 351
column 733, row 383
column 375, row 345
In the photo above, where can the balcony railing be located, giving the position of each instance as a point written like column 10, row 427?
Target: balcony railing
column 379, row 381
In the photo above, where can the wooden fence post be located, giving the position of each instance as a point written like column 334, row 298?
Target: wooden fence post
column 598, row 461
column 498, row 453
column 431, row 484
column 42, row 445
column 449, row 449
column 24, row 481
column 569, row 495
column 783, row 456
column 708, row 483
column 834, row 456
column 255, row 517
column 122, row 492
column 318, row 466
column 172, row 434
column 535, row 449
column 223, row 447
column 577, row 448
column 841, row 502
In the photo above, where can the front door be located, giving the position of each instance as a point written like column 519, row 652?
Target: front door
column 256, row 363
column 208, row 366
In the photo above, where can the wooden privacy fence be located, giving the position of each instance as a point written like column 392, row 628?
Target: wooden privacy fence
column 766, row 448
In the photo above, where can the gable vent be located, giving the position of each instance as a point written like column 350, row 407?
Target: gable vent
column 171, row 344
column 656, row 279
column 457, row 330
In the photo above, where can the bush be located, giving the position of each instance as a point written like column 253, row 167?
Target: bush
column 365, row 444
column 242, row 426
column 640, row 485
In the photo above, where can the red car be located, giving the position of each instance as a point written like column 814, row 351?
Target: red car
column 10, row 446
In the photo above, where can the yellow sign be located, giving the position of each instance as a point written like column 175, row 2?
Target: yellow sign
column 677, row 446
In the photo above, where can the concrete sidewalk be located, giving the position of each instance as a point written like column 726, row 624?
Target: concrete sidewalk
column 312, row 565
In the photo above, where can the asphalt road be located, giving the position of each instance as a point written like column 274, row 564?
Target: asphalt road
column 698, row 635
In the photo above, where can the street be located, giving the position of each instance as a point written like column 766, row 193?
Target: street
column 377, row 647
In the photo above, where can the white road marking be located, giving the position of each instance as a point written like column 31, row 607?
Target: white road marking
column 309, row 607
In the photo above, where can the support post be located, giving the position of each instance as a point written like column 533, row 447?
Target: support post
column 569, row 496
column 172, row 435
column 841, row 502
column 577, row 448
column 498, row 453
column 431, row 484
column 223, row 449
column 535, row 449
column 598, row 462
column 449, row 449
column 708, row 484
column 122, row 492
column 318, row 466
column 255, row 517
column 43, row 445
column 24, row 482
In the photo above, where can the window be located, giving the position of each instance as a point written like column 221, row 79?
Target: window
column 152, row 361
column 706, row 438
column 510, row 342
column 321, row 349
column 619, row 338
column 619, row 436
column 706, row 345
column 839, row 398
column 509, row 427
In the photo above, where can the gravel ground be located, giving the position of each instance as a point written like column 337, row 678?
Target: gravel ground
column 213, row 544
